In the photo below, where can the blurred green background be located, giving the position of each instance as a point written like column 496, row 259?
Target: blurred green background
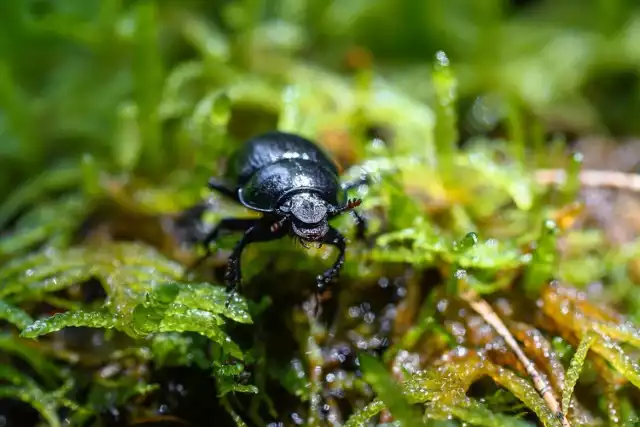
column 124, row 81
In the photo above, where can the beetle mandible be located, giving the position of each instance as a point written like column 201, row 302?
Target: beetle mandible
column 296, row 187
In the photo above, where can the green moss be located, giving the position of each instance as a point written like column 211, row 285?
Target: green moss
column 574, row 370
column 14, row 315
column 111, row 135
column 544, row 259
column 143, row 299
column 23, row 388
column 389, row 391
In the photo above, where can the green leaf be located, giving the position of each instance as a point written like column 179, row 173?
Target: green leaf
column 24, row 289
column 360, row 418
column 17, row 109
column 127, row 146
column 25, row 389
column 33, row 356
column 34, row 397
column 475, row 413
column 175, row 349
column 544, row 259
column 294, row 378
column 148, row 75
column 145, row 295
column 14, row 315
column 418, row 245
column 510, row 178
column 55, row 179
column 95, row 319
column 207, row 39
column 446, row 131
column 90, row 175
column 575, row 368
column 109, row 393
column 214, row 299
column 227, row 386
column 443, row 389
column 389, row 391
column 234, row 415
column 55, row 220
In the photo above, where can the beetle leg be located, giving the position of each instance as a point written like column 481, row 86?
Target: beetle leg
column 333, row 237
column 361, row 225
column 223, row 188
column 227, row 224
column 261, row 231
column 187, row 221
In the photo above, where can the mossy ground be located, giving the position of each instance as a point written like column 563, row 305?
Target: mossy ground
column 113, row 114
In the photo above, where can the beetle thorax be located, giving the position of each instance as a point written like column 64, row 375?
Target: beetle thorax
column 309, row 216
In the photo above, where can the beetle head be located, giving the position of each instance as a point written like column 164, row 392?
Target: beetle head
column 309, row 216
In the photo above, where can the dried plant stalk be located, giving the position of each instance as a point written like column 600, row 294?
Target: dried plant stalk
column 592, row 178
column 542, row 386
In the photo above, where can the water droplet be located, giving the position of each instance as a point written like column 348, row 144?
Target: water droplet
column 369, row 318
column 442, row 305
column 441, row 59
column 354, row 312
column 297, row 419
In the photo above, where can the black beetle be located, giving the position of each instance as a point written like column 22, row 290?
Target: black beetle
column 296, row 186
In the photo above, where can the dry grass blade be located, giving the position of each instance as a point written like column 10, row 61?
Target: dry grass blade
column 542, row 386
column 592, row 178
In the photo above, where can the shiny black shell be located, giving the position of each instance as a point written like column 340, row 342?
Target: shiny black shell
column 274, row 165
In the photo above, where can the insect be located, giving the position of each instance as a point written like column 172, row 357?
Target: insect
column 296, row 187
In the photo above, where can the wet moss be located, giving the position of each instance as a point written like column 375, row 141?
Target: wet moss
column 107, row 151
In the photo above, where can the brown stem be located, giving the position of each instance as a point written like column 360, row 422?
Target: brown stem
column 484, row 309
column 592, row 178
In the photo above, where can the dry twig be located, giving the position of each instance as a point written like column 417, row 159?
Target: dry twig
column 489, row 315
column 592, row 178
